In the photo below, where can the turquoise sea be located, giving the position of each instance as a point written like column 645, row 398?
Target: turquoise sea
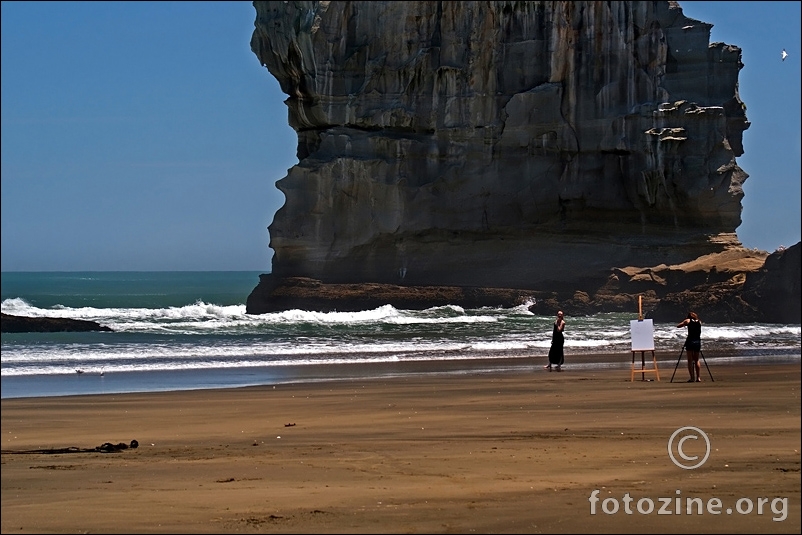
column 189, row 330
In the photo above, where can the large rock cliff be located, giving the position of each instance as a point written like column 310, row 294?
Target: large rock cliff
column 510, row 144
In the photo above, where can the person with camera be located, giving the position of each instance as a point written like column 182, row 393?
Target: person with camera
column 693, row 345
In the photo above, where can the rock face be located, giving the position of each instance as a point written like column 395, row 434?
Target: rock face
column 533, row 145
column 775, row 289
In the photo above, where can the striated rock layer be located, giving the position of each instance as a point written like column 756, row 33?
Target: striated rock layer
column 526, row 145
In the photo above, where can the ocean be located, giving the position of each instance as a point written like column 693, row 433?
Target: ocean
column 189, row 330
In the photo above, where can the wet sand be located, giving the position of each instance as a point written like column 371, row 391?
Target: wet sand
column 513, row 452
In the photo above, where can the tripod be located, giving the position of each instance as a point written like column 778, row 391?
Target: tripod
column 703, row 360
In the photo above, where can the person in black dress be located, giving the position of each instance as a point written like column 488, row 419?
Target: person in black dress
column 693, row 345
column 556, row 356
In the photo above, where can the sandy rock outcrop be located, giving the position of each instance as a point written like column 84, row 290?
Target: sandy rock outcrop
column 738, row 286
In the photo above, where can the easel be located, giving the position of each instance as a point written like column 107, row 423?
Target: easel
column 643, row 371
column 643, row 346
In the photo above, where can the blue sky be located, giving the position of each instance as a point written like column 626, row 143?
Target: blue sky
column 146, row 136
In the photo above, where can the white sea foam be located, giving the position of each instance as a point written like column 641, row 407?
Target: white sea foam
column 190, row 330
column 202, row 335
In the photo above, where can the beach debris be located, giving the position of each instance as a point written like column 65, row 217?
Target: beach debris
column 81, row 372
column 289, row 425
column 106, row 447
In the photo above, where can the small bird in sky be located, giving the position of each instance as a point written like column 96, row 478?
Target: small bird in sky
column 784, row 54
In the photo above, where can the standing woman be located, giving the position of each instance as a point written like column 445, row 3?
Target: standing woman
column 556, row 356
column 693, row 345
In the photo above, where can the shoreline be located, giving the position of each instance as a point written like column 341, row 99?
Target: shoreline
column 492, row 452
column 98, row 382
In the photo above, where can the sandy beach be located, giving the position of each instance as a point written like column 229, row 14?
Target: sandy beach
column 496, row 453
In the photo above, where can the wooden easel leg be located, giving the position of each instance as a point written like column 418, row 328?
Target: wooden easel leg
column 643, row 370
column 632, row 369
column 642, row 365
column 654, row 363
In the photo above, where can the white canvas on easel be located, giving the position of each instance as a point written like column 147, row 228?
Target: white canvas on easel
column 642, row 332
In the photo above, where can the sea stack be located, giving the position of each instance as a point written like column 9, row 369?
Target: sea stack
column 526, row 145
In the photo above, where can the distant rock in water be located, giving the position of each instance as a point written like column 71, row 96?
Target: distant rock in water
column 24, row 324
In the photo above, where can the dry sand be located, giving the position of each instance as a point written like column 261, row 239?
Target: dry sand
column 503, row 453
